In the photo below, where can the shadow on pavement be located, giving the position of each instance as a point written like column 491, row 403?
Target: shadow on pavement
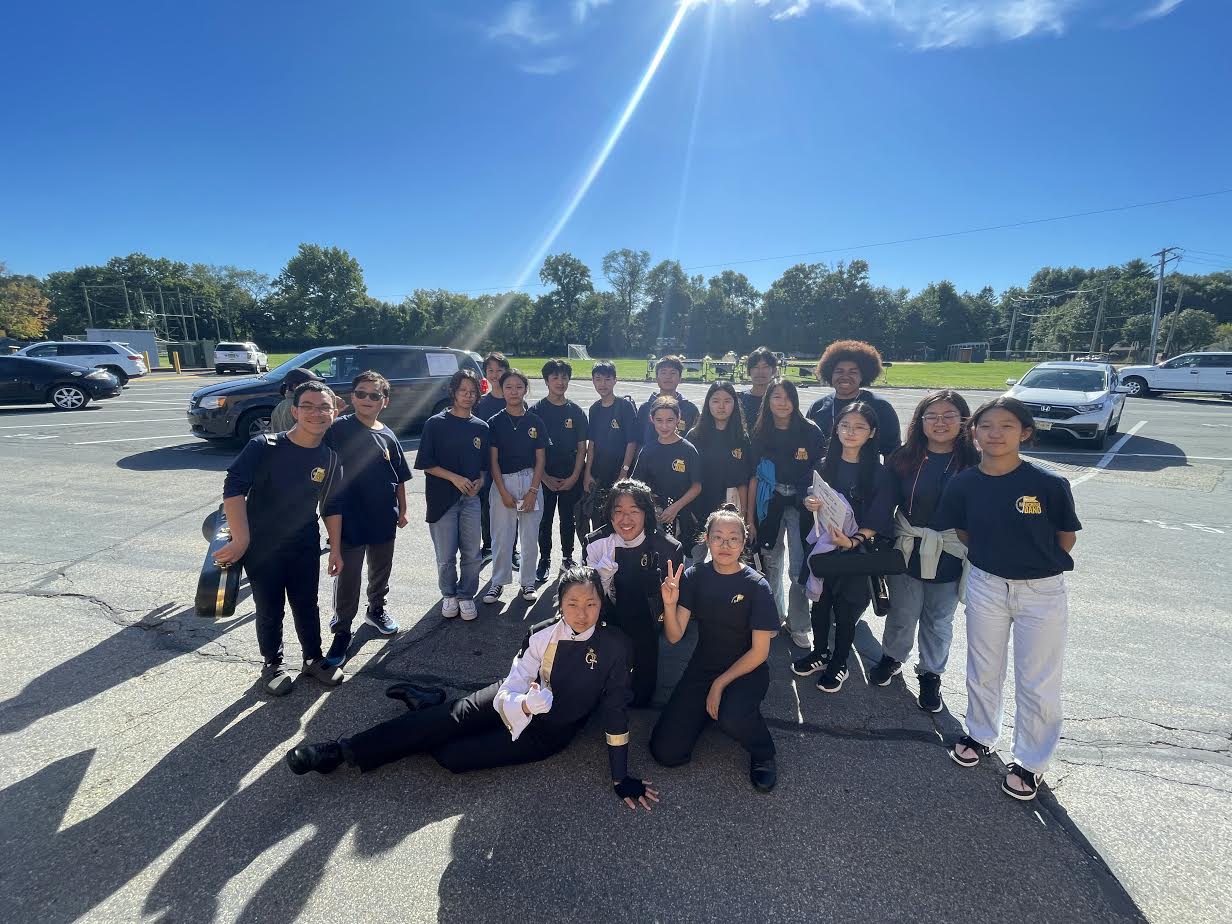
column 196, row 456
column 1139, row 454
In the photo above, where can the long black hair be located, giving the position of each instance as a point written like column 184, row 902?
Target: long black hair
column 869, row 453
column 765, row 417
column 907, row 458
column 642, row 496
column 737, row 426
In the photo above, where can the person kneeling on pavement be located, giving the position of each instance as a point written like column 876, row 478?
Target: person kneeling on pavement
column 567, row 668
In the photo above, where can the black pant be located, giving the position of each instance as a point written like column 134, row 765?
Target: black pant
column 643, row 631
column 685, row 717
column 346, row 585
column 842, row 602
column 276, row 578
column 563, row 503
column 466, row 734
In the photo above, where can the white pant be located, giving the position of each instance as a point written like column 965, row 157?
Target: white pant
column 506, row 523
column 1037, row 612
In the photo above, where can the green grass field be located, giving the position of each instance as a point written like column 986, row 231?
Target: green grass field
column 989, row 375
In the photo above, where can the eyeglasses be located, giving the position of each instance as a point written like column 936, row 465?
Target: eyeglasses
column 854, row 428
column 315, row 408
column 948, row 417
column 368, row 395
column 727, row 542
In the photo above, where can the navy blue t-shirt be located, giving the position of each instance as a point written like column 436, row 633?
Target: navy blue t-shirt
column 668, row 469
column 727, row 609
column 1011, row 520
column 611, row 430
column 643, row 429
column 283, row 482
column 456, row 444
column 489, row 406
column 566, row 427
column 752, row 407
column 919, row 495
column 795, row 452
column 889, row 432
column 515, row 440
column 727, row 462
column 375, row 465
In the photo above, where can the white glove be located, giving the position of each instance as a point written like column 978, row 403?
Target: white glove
column 538, row 700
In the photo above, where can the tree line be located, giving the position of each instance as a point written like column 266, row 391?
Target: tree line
column 633, row 308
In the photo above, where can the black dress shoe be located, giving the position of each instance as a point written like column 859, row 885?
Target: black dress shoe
column 763, row 774
column 324, row 757
column 415, row 696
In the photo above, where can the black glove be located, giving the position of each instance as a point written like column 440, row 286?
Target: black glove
column 630, row 788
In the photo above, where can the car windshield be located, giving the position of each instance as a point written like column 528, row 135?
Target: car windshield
column 278, row 373
column 1064, row 379
column 231, row 346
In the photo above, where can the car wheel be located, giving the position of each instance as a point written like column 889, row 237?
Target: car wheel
column 218, row 370
column 119, row 374
column 1100, row 442
column 1114, row 427
column 68, row 398
column 254, row 423
column 1136, row 387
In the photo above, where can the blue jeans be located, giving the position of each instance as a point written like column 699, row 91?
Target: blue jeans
column 454, row 535
column 788, row 551
column 930, row 606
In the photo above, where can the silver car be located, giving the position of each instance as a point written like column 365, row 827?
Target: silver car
column 1082, row 399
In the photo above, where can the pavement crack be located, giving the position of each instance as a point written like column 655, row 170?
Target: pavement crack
column 1082, row 764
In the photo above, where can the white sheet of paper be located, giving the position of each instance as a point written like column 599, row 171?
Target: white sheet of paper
column 831, row 513
column 442, row 364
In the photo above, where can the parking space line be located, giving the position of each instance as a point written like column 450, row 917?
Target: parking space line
column 131, row 439
column 93, row 423
column 1109, row 455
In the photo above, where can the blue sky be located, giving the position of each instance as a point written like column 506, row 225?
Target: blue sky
column 439, row 140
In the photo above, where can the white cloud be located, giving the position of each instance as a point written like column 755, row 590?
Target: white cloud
column 546, row 66
column 1160, row 9
column 582, row 8
column 521, row 24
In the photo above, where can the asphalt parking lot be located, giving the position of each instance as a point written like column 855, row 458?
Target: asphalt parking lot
column 142, row 777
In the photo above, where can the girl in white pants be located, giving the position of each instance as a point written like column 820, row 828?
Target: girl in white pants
column 1019, row 525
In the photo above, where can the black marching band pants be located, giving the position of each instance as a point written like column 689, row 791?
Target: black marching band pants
column 466, row 734
column 841, row 603
column 281, row 576
column 684, row 717
column 380, row 559
column 564, row 504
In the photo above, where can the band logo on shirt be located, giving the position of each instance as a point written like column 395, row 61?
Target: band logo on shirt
column 591, row 658
column 737, row 453
column 737, row 598
column 1029, row 504
column 568, row 423
column 645, row 560
column 615, row 424
column 678, row 465
column 476, row 442
column 801, row 454
column 533, row 433
column 318, row 474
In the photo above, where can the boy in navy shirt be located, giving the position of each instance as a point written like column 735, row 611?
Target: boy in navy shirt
column 373, row 509
column 612, row 445
column 763, row 368
column 565, row 423
column 494, row 366
column 453, row 450
column 271, row 497
column 668, row 373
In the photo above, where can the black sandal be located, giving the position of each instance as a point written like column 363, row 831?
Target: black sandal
column 1032, row 781
column 966, row 741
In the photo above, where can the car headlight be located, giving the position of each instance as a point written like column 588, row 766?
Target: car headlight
column 77, row 372
column 211, row 402
column 1088, row 408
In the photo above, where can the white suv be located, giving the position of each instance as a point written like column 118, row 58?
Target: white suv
column 1208, row 372
column 1083, row 399
column 239, row 357
column 117, row 358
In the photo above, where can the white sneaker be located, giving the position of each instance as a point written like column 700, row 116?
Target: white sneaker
column 449, row 607
column 528, row 594
column 468, row 610
column 802, row 640
column 492, row 595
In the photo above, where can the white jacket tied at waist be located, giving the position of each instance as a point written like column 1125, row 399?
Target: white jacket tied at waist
column 931, row 542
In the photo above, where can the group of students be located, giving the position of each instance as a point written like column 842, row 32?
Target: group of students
column 673, row 505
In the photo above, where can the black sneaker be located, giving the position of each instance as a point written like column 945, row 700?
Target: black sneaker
column 763, row 774
column 884, row 672
column 485, row 556
column 541, row 572
column 336, row 656
column 517, row 561
column 567, row 562
column 277, row 679
column 832, row 680
column 810, row 664
column 383, row 622
column 930, row 692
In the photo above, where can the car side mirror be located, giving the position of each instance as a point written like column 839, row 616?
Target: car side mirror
column 1011, row 381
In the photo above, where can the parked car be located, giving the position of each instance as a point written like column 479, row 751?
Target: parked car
column 232, row 356
column 116, row 358
column 418, row 378
column 1083, row 399
column 1202, row 372
column 25, row 380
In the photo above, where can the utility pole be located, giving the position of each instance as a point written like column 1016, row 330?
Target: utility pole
column 128, row 310
column 1099, row 320
column 1175, row 311
column 1009, row 343
column 89, row 313
column 1159, row 301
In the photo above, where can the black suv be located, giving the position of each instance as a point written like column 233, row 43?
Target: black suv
column 418, row 380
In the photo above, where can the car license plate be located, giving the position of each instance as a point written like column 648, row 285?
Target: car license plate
column 1043, row 424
